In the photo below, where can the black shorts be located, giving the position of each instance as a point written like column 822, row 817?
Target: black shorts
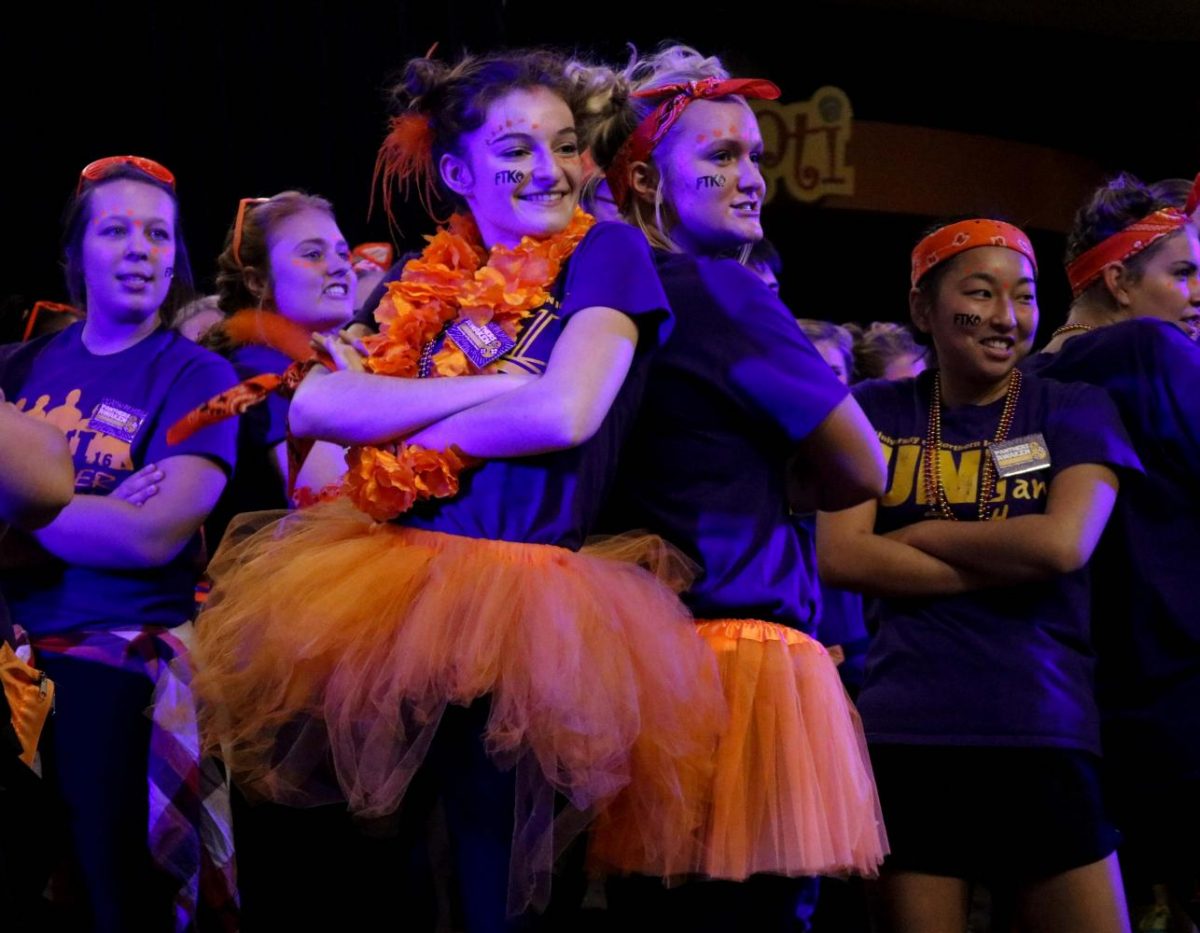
column 992, row 814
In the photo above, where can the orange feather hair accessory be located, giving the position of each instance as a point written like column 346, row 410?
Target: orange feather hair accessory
column 405, row 159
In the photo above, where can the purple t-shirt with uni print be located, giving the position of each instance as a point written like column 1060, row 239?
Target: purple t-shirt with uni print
column 553, row 498
column 1146, row 617
column 115, row 411
column 1009, row 665
column 730, row 397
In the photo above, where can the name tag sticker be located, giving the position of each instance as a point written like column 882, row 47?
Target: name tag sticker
column 117, row 420
column 480, row 344
column 1020, row 455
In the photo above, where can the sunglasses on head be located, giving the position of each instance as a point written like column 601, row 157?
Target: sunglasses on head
column 243, row 206
column 49, row 307
column 379, row 255
column 101, row 168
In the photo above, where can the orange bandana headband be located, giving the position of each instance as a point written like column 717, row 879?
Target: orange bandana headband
column 956, row 238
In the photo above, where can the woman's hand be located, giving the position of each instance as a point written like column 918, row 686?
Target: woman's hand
column 111, row 533
column 354, row 334
column 137, row 487
column 347, row 353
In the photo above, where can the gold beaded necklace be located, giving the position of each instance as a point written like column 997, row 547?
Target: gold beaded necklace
column 935, row 491
column 1067, row 328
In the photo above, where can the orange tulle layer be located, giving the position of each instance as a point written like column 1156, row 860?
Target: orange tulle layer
column 792, row 792
column 331, row 645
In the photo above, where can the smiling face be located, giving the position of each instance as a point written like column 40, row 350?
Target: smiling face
column 1169, row 285
column 312, row 281
column 982, row 315
column 711, row 178
column 127, row 251
column 520, row 172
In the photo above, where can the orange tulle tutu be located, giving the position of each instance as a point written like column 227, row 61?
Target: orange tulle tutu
column 331, row 645
column 792, row 792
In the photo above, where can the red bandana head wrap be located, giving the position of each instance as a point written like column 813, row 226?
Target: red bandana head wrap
column 956, row 238
column 1088, row 266
column 651, row 131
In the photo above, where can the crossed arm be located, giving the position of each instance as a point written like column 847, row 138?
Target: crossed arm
column 504, row 415
column 131, row 529
column 935, row 557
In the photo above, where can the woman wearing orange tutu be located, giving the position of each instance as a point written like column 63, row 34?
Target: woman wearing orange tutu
column 439, row 617
column 735, row 395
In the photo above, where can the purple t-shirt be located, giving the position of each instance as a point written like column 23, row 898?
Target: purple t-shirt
column 115, row 411
column 1005, row 666
column 256, row 483
column 1147, row 617
column 553, row 498
column 730, row 396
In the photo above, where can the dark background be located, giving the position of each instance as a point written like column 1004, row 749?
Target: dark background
column 250, row 99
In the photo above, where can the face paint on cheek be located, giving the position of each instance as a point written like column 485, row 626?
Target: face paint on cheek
column 507, row 176
column 967, row 321
column 710, row 181
column 302, row 263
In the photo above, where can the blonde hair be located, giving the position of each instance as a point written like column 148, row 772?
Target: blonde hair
column 671, row 64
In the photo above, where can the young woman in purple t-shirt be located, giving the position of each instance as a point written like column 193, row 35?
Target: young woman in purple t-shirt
column 978, row 694
column 739, row 403
column 1133, row 258
column 462, row 639
column 283, row 255
column 116, row 569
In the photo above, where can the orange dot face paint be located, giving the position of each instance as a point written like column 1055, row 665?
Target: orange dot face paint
column 524, row 180
column 126, row 249
column 501, row 127
column 711, row 176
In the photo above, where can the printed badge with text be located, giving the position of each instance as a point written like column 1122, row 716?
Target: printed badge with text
column 117, row 420
column 481, row 344
column 1020, row 455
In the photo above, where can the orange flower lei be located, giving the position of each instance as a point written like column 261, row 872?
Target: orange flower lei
column 454, row 278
